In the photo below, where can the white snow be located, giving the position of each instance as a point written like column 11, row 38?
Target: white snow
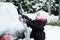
column 52, row 32
column 9, row 22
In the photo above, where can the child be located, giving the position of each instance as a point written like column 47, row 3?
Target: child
column 37, row 26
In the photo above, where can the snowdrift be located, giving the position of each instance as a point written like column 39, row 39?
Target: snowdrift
column 9, row 22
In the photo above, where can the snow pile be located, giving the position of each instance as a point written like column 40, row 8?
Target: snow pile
column 52, row 18
column 9, row 22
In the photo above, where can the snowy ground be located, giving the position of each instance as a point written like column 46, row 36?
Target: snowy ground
column 52, row 32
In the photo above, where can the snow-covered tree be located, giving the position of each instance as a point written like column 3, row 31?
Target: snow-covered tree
column 36, row 5
column 31, row 6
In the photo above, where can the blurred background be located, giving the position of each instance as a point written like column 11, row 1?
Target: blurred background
column 47, row 8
